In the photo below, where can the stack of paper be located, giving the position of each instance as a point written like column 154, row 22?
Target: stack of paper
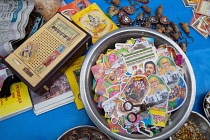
column 201, row 15
column 17, row 103
column 13, row 20
column 59, row 94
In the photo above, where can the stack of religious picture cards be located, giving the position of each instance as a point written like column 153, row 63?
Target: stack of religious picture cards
column 60, row 94
column 138, row 85
column 201, row 15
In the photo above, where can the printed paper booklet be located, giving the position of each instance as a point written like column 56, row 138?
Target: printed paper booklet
column 59, row 91
column 17, row 103
column 94, row 21
column 73, row 76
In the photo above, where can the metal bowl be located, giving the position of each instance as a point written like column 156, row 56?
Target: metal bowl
column 107, row 42
column 206, row 105
column 84, row 132
column 201, row 123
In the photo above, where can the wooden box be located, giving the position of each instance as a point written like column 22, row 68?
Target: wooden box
column 42, row 58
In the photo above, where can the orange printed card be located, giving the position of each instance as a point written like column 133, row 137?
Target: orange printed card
column 73, row 7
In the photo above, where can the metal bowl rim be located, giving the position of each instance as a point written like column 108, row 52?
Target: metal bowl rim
column 83, row 77
column 83, row 126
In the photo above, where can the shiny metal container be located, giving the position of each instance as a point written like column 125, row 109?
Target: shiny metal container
column 120, row 36
column 206, row 105
column 201, row 123
column 84, row 132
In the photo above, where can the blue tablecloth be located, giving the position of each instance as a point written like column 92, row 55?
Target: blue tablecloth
column 50, row 125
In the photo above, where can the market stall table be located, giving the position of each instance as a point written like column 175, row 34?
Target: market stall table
column 51, row 125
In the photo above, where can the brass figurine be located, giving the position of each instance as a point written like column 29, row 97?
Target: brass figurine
column 116, row 3
column 183, row 46
column 185, row 27
column 146, row 9
column 159, row 10
column 113, row 11
column 140, row 19
column 160, row 28
column 147, row 24
column 129, row 10
column 164, row 20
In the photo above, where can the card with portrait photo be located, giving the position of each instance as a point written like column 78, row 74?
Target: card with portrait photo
column 135, row 60
column 136, row 89
column 195, row 25
column 167, row 70
column 203, row 7
column 114, row 107
column 177, row 95
column 159, row 93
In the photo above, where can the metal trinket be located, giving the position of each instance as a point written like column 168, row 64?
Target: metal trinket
column 175, row 36
column 113, row 11
column 140, row 18
column 175, row 27
column 153, row 19
column 129, row 10
column 116, row 3
column 143, row 1
column 183, row 46
column 160, row 28
column 147, row 24
column 164, row 20
column 84, row 133
column 189, row 131
column 123, row 25
column 169, row 30
column 159, row 10
column 146, row 9
column 136, row 5
column 126, row 20
column 121, row 13
column 186, row 29
column 206, row 105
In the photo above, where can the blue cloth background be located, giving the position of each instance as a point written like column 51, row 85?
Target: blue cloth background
column 50, row 125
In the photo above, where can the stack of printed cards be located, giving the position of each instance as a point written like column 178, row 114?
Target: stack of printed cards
column 138, row 85
column 60, row 94
column 201, row 15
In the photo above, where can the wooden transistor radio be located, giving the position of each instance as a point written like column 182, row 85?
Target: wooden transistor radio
column 42, row 58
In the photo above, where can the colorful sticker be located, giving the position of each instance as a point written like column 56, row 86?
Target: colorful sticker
column 135, row 60
column 139, row 46
column 149, row 68
column 151, row 41
column 113, row 107
column 101, row 87
column 177, row 95
column 158, row 95
column 119, row 46
column 115, row 74
column 147, row 129
column 101, row 100
column 114, row 127
column 100, row 59
column 30, row 52
column 98, row 71
column 143, row 129
column 156, row 118
column 113, row 90
column 126, row 125
column 167, row 69
column 136, row 90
